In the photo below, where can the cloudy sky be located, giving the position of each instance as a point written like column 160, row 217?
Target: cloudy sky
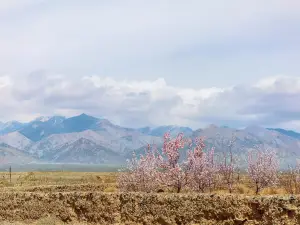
column 155, row 62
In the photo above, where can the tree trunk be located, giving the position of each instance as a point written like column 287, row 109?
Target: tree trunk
column 257, row 189
column 230, row 188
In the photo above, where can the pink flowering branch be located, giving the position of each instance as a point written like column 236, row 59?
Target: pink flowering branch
column 227, row 164
column 141, row 174
column 202, row 167
column 262, row 168
column 173, row 174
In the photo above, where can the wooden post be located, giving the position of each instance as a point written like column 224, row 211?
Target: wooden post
column 10, row 174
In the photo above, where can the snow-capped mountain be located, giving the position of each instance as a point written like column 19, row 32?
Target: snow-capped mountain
column 86, row 139
column 10, row 126
column 38, row 129
column 42, row 118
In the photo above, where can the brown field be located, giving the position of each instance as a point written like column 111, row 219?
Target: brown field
column 48, row 198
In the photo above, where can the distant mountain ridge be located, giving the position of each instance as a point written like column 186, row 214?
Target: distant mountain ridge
column 87, row 139
column 10, row 127
column 286, row 132
column 160, row 131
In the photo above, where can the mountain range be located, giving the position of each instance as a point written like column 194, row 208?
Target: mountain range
column 89, row 140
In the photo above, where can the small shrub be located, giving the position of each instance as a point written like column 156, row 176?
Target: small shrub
column 290, row 180
column 110, row 189
column 49, row 221
column 243, row 189
column 273, row 191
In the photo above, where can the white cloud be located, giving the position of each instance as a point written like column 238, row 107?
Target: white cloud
column 139, row 103
column 165, row 62
column 4, row 81
column 7, row 5
column 283, row 84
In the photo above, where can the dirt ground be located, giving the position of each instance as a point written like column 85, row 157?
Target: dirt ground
column 141, row 208
column 92, row 198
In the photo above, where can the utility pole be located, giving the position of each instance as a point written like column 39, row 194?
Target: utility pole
column 10, row 174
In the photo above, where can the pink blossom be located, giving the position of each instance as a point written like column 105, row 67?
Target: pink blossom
column 174, row 174
column 141, row 174
column 262, row 168
column 227, row 165
column 202, row 167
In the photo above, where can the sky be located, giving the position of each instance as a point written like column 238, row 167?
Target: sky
column 150, row 63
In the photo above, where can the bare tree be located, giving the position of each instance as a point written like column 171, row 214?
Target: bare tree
column 290, row 179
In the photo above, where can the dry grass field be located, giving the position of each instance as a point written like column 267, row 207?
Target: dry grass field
column 48, row 198
column 50, row 182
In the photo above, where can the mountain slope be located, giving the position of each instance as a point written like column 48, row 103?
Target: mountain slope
column 79, row 123
column 288, row 148
column 10, row 155
column 86, row 139
column 85, row 151
column 44, row 127
column 161, row 130
column 16, row 140
column 290, row 133
column 249, row 138
column 50, row 145
column 40, row 128
column 11, row 126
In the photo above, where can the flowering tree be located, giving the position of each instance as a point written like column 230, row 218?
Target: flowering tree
column 141, row 174
column 174, row 174
column 202, row 167
column 227, row 164
column 262, row 168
